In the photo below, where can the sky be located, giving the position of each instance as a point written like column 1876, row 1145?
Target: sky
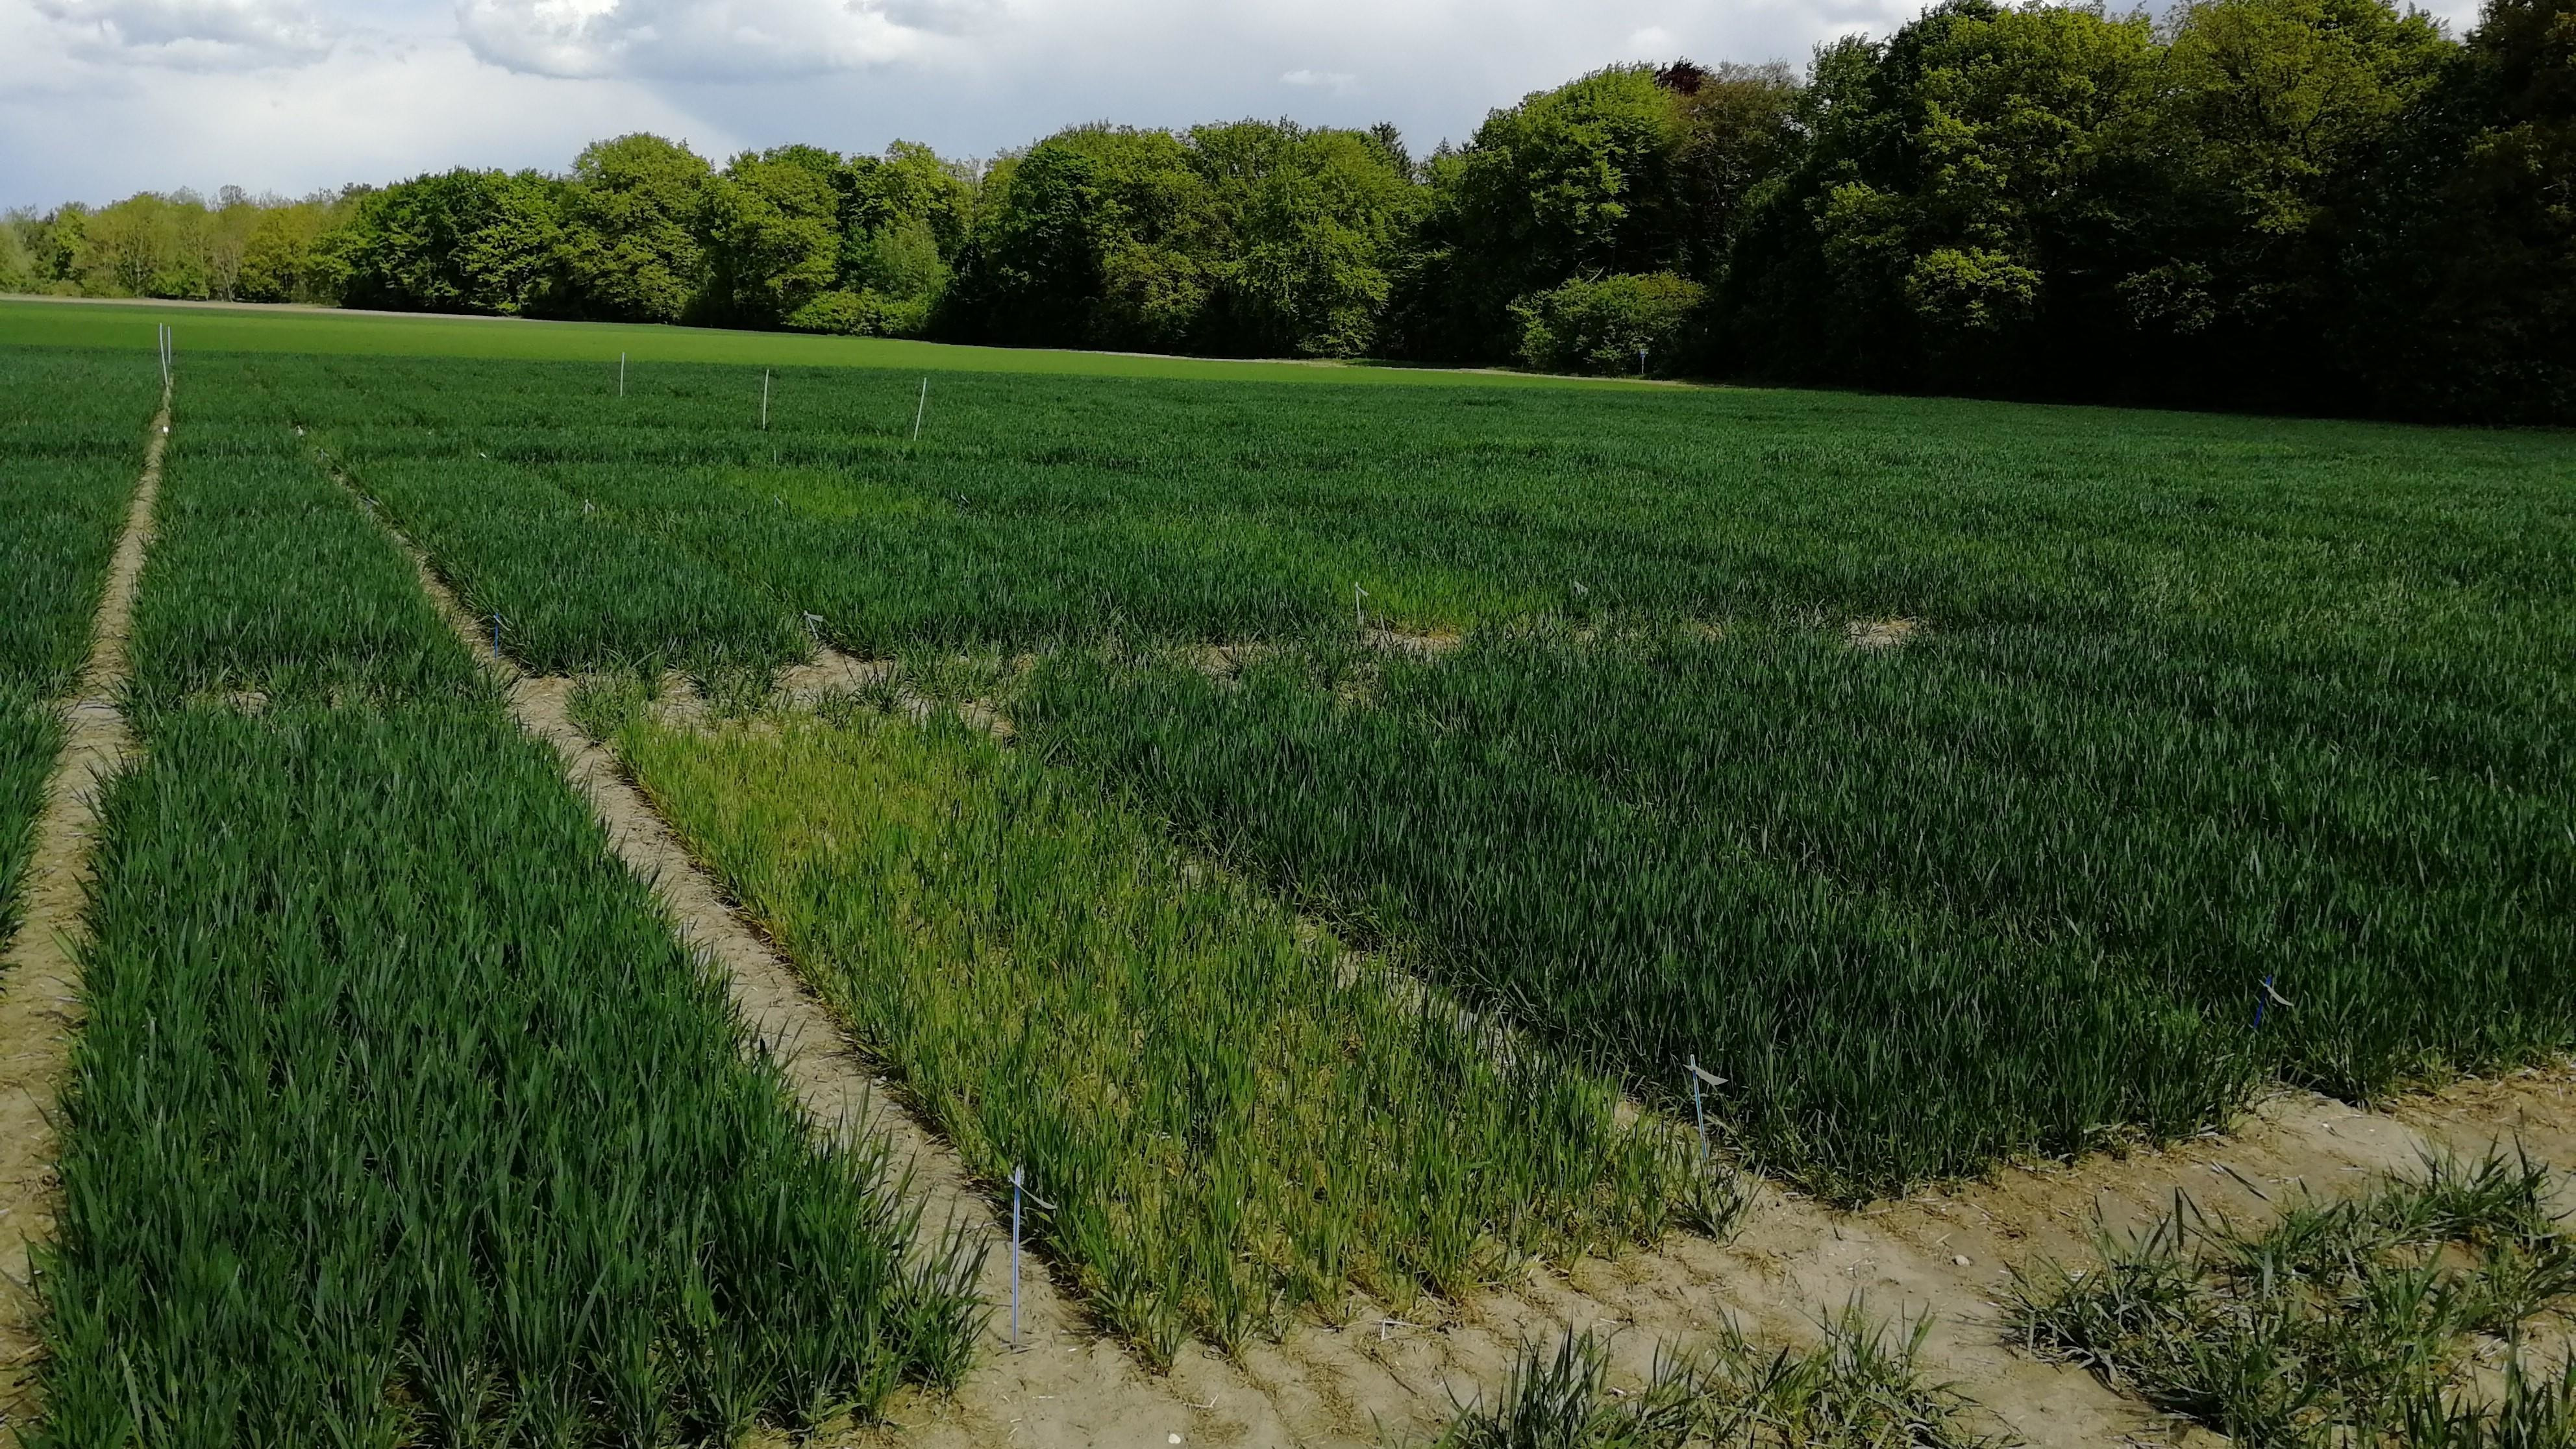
column 102, row 98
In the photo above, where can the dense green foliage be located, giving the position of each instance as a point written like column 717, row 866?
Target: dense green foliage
column 1595, row 840
column 235, row 248
column 71, row 448
column 1230, row 1133
column 2354, row 1322
column 2315, row 205
column 30, row 734
column 1601, row 324
column 1243, row 238
column 255, row 544
column 2173, row 706
column 2070, row 901
column 398, row 1113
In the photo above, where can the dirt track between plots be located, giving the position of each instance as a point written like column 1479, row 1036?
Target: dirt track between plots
column 40, row 1002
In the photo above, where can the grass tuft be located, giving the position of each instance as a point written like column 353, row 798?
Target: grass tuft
column 1860, row 1388
column 2364, row 1321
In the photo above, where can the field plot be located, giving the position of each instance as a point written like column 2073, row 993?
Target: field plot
column 71, row 444
column 1747, row 848
column 1231, row 1133
column 267, row 583
column 398, row 1114
column 1956, row 780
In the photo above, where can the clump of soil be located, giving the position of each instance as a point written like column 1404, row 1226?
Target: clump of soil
column 1881, row 634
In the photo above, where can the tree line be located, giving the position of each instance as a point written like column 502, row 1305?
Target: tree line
column 2320, row 205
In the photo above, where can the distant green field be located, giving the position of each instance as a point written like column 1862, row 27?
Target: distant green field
column 41, row 322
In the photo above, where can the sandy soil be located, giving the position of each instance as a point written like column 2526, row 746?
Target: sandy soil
column 40, row 1002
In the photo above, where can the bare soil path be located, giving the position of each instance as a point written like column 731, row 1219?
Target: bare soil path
column 40, row 1006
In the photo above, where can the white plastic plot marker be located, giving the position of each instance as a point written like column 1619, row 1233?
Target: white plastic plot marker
column 1699, row 1110
column 764, row 399
column 1019, row 1190
column 621, row 374
column 2268, row 997
column 919, row 409
column 496, row 638
column 1359, row 620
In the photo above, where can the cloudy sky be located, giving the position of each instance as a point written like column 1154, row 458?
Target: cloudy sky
column 100, row 98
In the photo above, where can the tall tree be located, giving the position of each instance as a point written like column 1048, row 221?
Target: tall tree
column 773, row 231
column 459, row 241
column 632, row 217
column 1958, row 211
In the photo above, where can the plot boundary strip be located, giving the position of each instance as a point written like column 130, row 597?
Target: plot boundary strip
column 40, row 1003
column 832, row 1083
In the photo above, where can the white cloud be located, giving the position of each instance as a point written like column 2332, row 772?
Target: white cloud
column 1651, row 40
column 1330, row 80
column 728, row 40
column 379, row 110
column 189, row 34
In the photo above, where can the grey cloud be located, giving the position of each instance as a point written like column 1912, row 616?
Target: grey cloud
column 190, row 34
column 687, row 40
column 943, row 17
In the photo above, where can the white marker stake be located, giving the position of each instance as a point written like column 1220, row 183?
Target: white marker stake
column 922, row 407
column 621, row 374
column 764, row 399
column 1019, row 1190
column 1359, row 620
column 1698, row 1111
